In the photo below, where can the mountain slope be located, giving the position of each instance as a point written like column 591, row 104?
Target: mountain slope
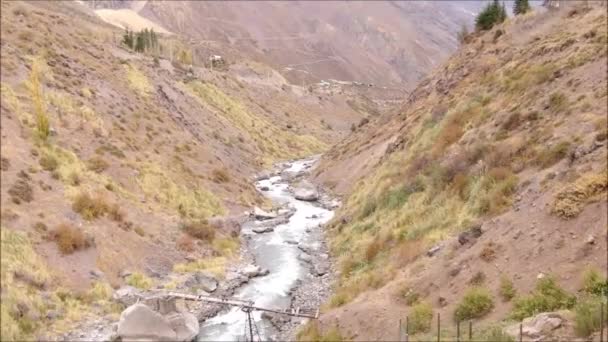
column 507, row 140
column 140, row 159
column 387, row 43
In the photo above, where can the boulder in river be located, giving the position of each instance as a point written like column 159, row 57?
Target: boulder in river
column 254, row 271
column 263, row 229
column 306, row 194
column 260, row 214
column 305, row 257
column 140, row 323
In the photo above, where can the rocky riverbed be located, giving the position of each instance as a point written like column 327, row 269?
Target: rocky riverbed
column 288, row 242
column 283, row 264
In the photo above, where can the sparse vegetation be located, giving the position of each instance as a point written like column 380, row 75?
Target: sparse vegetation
column 69, row 239
column 97, row 164
column 21, row 191
column 312, row 332
column 198, row 229
column 507, row 290
column 558, row 102
column 92, row 207
column 547, row 296
column 594, row 284
column 553, row 154
column 43, row 127
column 420, row 318
column 476, row 303
column 570, row 201
column 139, row 280
column 220, row 175
column 48, row 162
column 587, row 315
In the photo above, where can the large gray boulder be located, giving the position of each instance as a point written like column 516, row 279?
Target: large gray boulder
column 140, row 323
column 260, row 214
column 202, row 280
column 306, row 194
column 126, row 295
column 185, row 325
column 252, row 271
column 537, row 327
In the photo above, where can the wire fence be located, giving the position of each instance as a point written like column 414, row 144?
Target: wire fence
column 465, row 331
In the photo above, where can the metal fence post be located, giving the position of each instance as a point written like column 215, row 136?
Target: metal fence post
column 458, row 331
column 399, row 335
column 470, row 330
column 602, row 323
column 407, row 328
column 521, row 335
column 438, row 327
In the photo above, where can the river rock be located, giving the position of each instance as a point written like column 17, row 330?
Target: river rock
column 185, row 325
column 262, row 176
column 261, row 230
column 140, row 323
column 126, row 295
column 235, row 279
column 203, row 280
column 260, row 214
column 320, row 268
column 306, row 194
column 252, row 271
column 305, row 257
column 264, row 188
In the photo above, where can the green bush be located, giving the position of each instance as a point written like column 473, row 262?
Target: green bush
column 476, row 303
column 48, row 162
column 491, row 15
column 494, row 333
column 547, row 296
column 139, row 281
column 594, row 283
column 420, row 318
column 507, row 290
column 587, row 315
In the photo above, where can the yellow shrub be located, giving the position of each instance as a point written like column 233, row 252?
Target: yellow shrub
column 570, row 201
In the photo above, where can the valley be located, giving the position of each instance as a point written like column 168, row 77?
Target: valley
column 380, row 162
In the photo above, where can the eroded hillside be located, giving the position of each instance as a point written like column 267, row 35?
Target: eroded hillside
column 116, row 165
column 497, row 161
column 386, row 43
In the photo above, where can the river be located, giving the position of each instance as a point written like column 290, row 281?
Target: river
column 275, row 251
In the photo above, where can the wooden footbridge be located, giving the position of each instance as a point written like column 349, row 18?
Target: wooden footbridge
column 249, row 305
column 246, row 306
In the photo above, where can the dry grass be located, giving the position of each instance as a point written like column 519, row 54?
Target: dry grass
column 216, row 265
column 139, row 280
column 48, row 162
column 21, row 191
column 220, row 175
column 69, row 239
column 190, row 202
column 97, row 164
column 93, row 207
column 138, row 80
column 199, row 230
column 312, row 332
column 571, row 200
column 185, row 243
column 43, row 128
